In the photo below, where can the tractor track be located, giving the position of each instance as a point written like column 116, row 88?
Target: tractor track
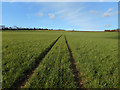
column 74, row 68
column 28, row 73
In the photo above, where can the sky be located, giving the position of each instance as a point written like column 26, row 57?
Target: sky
column 82, row 16
column 60, row 0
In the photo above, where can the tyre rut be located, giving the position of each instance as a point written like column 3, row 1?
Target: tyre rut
column 20, row 83
column 74, row 68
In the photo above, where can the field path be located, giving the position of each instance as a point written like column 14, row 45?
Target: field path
column 75, row 71
column 22, row 83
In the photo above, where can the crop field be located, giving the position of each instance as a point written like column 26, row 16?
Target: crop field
column 96, row 55
column 55, row 69
column 21, row 51
column 0, row 59
column 59, row 59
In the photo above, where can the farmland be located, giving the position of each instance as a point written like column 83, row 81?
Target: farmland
column 44, row 59
column 55, row 69
column 20, row 53
column 96, row 55
column 0, row 59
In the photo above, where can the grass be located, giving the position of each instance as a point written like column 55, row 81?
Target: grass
column 55, row 69
column 96, row 55
column 20, row 50
column 0, row 59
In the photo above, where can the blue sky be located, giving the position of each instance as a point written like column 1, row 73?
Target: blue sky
column 83, row 16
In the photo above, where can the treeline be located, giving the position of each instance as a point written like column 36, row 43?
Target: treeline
column 2, row 27
column 114, row 30
column 24, row 29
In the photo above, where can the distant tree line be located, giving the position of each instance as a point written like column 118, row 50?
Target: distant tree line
column 114, row 30
column 2, row 27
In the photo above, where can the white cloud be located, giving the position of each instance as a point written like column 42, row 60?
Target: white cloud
column 110, row 9
column 51, row 15
column 108, row 13
column 108, row 25
column 80, row 18
column 61, row 11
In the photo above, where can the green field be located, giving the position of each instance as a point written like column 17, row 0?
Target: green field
column 96, row 55
column 0, row 59
column 41, row 59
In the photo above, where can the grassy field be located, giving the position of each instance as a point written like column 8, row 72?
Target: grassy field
column 0, row 59
column 95, row 55
column 20, row 51
column 54, row 70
